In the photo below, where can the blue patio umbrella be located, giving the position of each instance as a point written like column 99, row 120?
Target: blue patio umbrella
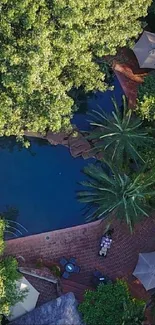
column 145, row 270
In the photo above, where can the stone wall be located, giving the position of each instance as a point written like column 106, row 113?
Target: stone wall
column 77, row 144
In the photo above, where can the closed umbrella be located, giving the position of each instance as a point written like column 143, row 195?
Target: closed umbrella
column 145, row 270
column 145, row 50
column 29, row 301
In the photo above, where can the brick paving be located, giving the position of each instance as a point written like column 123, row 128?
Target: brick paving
column 129, row 74
column 83, row 241
column 77, row 288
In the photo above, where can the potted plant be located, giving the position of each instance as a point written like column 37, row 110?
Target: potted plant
column 55, row 269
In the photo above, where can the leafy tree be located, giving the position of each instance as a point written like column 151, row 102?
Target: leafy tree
column 50, row 47
column 108, row 190
column 112, row 304
column 119, row 136
column 9, row 293
column 146, row 99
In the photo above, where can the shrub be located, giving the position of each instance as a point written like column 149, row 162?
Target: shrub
column 9, row 293
column 2, row 228
column 112, row 304
column 146, row 99
column 148, row 155
column 55, row 270
column 39, row 263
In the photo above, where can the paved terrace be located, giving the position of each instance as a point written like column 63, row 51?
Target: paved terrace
column 82, row 242
column 129, row 74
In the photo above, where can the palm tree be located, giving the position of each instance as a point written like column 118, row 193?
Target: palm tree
column 10, row 226
column 110, row 191
column 118, row 136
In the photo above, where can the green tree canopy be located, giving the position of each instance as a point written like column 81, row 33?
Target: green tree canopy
column 49, row 47
column 9, row 294
column 112, row 304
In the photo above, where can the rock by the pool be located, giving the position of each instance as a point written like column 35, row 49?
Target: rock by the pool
column 61, row 311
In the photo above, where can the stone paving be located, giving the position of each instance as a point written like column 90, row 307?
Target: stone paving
column 77, row 144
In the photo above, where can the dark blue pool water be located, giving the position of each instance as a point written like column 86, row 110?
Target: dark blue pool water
column 102, row 100
column 42, row 186
column 42, row 182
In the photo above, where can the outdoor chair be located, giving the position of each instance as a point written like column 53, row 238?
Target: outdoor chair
column 99, row 278
column 65, row 275
column 72, row 260
column 63, row 261
column 77, row 269
column 97, row 274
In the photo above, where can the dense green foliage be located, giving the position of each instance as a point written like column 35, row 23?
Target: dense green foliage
column 118, row 136
column 146, row 98
column 151, row 9
column 9, row 294
column 109, row 190
column 148, row 154
column 2, row 229
column 112, row 304
column 49, row 47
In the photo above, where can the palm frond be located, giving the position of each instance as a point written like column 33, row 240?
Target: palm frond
column 124, row 129
column 111, row 191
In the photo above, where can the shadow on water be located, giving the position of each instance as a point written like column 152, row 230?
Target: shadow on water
column 95, row 100
column 150, row 19
column 10, row 213
column 10, row 144
column 81, row 99
column 13, row 227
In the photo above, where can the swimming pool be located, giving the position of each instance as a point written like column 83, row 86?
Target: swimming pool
column 97, row 100
column 42, row 185
column 42, row 182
